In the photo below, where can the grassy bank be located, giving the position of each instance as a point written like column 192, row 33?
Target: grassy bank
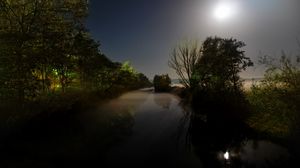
column 274, row 111
column 69, row 127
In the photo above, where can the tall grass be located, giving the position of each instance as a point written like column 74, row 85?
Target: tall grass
column 274, row 110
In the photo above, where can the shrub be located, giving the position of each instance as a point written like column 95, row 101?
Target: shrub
column 272, row 111
column 161, row 83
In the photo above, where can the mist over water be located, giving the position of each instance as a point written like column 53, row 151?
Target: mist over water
column 157, row 140
column 140, row 129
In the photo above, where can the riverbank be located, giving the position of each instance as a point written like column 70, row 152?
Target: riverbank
column 137, row 128
column 63, row 128
column 84, row 134
column 271, row 113
column 50, row 111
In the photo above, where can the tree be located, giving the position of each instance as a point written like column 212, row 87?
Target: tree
column 45, row 47
column 143, row 81
column 284, row 73
column 275, row 100
column 220, row 64
column 89, row 60
column 184, row 59
column 126, row 67
column 161, row 83
column 36, row 37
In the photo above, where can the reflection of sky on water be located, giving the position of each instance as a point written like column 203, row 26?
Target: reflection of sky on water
column 138, row 129
column 154, row 134
column 153, row 137
column 163, row 100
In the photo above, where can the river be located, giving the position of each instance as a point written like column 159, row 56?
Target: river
column 157, row 138
column 154, row 140
column 138, row 129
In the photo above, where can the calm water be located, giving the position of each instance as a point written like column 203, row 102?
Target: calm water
column 139, row 129
column 156, row 138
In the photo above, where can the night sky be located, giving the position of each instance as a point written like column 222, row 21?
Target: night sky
column 145, row 31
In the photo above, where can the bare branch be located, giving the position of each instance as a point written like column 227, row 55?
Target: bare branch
column 183, row 60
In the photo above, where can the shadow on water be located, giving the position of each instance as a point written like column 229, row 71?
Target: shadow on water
column 153, row 141
column 73, row 138
column 139, row 129
column 220, row 139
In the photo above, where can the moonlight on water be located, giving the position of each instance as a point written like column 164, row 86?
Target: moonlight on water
column 150, row 83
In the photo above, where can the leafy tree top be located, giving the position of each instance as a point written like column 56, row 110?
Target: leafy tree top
column 126, row 67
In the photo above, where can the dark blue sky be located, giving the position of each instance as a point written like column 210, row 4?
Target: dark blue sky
column 145, row 31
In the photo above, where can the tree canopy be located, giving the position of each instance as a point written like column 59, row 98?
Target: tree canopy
column 162, row 83
column 215, row 64
column 221, row 62
column 45, row 47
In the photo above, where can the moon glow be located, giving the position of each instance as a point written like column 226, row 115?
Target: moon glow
column 224, row 11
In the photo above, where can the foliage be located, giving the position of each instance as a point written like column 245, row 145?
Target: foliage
column 215, row 65
column 89, row 60
column 273, row 111
column 50, row 68
column 46, row 48
column 143, row 81
column 215, row 85
column 120, row 78
column 161, row 83
column 126, row 67
column 36, row 37
column 282, row 73
column 220, row 64
column 275, row 101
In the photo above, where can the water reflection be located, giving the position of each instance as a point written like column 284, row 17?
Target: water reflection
column 226, row 155
column 265, row 155
column 227, row 143
column 163, row 100
column 215, row 141
column 74, row 138
column 153, row 141
column 138, row 129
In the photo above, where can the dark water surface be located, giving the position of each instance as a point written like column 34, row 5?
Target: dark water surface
column 139, row 129
column 154, row 140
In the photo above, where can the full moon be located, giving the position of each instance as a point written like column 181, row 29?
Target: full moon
column 224, row 11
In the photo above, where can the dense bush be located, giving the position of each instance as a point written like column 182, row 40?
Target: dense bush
column 55, row 53
column 273, row 111
column 220, row 64
column 275, row 101
column 216, row 90
column 162, row 83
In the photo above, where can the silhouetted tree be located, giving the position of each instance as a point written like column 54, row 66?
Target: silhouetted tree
column 45, row 47
column 220, row 64
column 143, row 80
column 36, row 37
column 161, row 83
column 89, row 60
column 218, row 91
column 183, row 60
